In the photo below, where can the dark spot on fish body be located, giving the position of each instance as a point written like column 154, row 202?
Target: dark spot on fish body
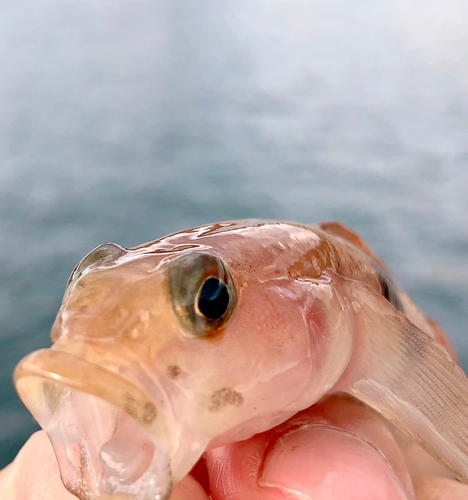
column 174, row 372
column 130, row 405
column 225, row 397
column 149, row 413
column 144, row 413
column 390, row 290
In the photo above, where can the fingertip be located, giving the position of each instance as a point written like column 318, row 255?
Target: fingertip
column 324, row 463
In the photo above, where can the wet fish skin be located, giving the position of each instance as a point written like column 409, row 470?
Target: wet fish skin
column 312, row 311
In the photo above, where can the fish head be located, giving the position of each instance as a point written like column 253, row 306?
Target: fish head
column 163, row 351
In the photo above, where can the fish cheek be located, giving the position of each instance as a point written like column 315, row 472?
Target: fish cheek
column 269, row 348
column 272, row 365
column 255, row 367
column 260, row 366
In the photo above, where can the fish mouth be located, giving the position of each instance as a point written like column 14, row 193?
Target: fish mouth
column 110, row 438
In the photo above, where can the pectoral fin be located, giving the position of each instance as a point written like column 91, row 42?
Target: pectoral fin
column 409, row 378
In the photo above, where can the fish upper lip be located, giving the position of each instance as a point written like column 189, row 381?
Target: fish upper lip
column 76, row 373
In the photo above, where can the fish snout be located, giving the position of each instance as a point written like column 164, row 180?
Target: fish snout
column 110, row 434
column 122, row 305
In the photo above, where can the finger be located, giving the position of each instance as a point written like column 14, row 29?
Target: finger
column 338, row 449
column 34, row 473
column 188, row 489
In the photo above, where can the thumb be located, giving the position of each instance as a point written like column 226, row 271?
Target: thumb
column 338, row 449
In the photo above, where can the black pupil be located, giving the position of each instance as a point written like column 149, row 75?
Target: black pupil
column 213, row 300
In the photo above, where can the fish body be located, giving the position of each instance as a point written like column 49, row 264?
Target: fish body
column 220, row 332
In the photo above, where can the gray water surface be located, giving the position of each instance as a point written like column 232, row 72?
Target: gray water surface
column 126, row 120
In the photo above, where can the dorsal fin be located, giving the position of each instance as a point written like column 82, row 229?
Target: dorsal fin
column 338, row 229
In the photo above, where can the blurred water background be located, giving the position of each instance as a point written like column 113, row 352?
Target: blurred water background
column 126, row 120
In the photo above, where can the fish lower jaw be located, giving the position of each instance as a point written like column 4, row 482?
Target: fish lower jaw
column 109, row 437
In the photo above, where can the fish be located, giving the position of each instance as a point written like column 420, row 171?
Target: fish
column 214, row 334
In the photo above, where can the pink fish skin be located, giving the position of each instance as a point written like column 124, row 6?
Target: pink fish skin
column 214, row 334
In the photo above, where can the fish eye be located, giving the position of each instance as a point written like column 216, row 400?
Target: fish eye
column 104, row 255
column 202, row 293
column 213, row 299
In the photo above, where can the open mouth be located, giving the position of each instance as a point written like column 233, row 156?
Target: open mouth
column 108, row 436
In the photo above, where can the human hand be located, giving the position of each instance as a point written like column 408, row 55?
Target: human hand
column 336, row 449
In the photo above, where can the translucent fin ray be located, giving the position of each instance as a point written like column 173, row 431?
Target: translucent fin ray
column 410, row 379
